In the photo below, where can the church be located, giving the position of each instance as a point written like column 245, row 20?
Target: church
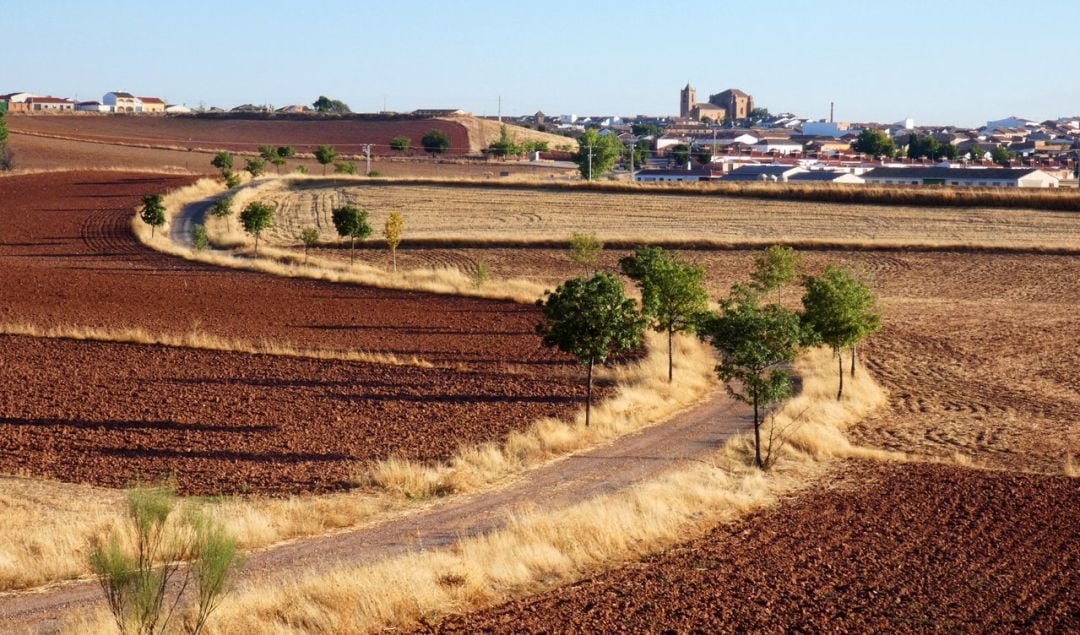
column 730, row 105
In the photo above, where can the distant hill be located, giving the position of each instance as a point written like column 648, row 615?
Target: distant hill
column 484, row 132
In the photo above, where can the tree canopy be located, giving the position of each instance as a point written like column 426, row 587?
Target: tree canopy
column 325, row 155
column 153, row 211
column 222, row 161
column 774, row 267
column 1001, row 155
column 326, row 105
column 875, row 143
column 351, row 222
column 597, row 154
column 401, row 144
column 591, row 319
column 680, row 154
column 585, row 250
column 255, row 218
column 435, row 142
column 255, row 166
column 393, row 230
column 673, row 292
column 646, row 130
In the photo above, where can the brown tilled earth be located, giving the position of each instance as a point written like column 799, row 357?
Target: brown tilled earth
column 107, row 413
column 887, row 549
column 978, row 351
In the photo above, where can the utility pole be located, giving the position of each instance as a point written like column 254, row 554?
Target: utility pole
column 590, row 161
column 500, row 109
column 367, row 155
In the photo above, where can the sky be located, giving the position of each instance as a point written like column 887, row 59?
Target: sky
column 940, row 62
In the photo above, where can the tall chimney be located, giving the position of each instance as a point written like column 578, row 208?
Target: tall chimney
column 831, row 110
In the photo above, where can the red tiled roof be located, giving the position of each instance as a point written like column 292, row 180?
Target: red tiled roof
column 151, row 100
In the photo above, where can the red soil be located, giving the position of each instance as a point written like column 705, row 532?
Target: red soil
column 894, row 549
column 347, row 136
column 107, row 413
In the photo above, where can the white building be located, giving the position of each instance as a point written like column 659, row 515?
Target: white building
column 964, row 177
column 120, row 101
column 92, row 106
column 834, row 129
column 672, row 176
column 826, row 176
column 779, row 146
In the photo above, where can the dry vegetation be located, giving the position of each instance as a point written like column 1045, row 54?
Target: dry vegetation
column 532, row 215
column 483, row 132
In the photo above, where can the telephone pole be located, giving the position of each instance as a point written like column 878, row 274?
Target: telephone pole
column 590, row 161
column 367, row 155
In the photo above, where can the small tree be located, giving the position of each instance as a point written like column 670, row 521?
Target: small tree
column 267, row 153
column 153, row 211
column 400, row 144
column 585, row 250
column 874, row 143
column 754, row 343
column 393, row 230
column 224, row 162
column 1001, row 155
column 480, row 274
column 231, row 180
column 435, row 142
column 597, row 154
column 286, row 152
column 326, row 105
column 5, row 156
column 345, row 167
column 591, row 319
column 201, row 240
column 505, row 146
column 310, row 238
column 136, row 579
column 255, row 218
column 838, row 309
column 223, row 208
column 774, row 267
column 255, row 166
column 680, row 154
column 325, row 155
column 673, row 292
column 351, row 222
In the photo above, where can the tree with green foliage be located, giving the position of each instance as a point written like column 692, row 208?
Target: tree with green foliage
column 393, row 231
column 646, row 130
column 757, row 115
column 153, row 211
column 325, row 155
column 680, row 154
column 351, row 222
column 255, row 167
column 5, row 154
column 138, row 572
column 223, row 208
column 400, row 144
column 755, row 344
column 839, row 310
column 774, row 267
column 597, row 154
column 585, row 250
column 591, row 319
column 480, row 274
column 231, row 180
column 673, row 292
column 326, row 105
column 976, row 154
column 1001, row 155
column 255, row 218
column 642, row 150
column 310, row 238
column 435, row 142
column 286, row 152
column 346, row 167
column 224, row 162
column 875, row 143
column 267, row 153
column 199, row 237
column 505, row 146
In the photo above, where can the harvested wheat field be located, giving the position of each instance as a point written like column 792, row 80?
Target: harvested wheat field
column 887, row 549
column 460, row 370
column 975, row 353
column 481, row 213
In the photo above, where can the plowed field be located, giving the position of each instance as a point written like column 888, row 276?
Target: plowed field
column 890, row 549
column 106, row 413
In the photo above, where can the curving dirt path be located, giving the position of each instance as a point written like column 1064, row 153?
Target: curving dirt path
column 693, row 435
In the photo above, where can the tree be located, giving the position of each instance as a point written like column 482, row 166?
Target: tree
column 505, row 146
column 310, row 238
column 286, row 152
column 976, row 154
column 597, row 154
column 680, row 154
column 255, row 218
column 591, row 319
column 755, row 343
column 325, row 155
column 223, row 208
column 1001, row 156
column 199, row 237
column 5, row 155
column 345, row 167
column 757, row 115
column 642, row 149
column 393, row 230
column 255, row 166
column 773, row 268
column 153, row 211
column 839, row 310
column 231, row 180
column 351, row 222
column 585, row 250
column 673, row 292
column 435, row 142
column 326, row 105
column 267, row 152
column 135, row 571
column 646, row 130
column 223, row 161
column 874, row 143
column 400, row 144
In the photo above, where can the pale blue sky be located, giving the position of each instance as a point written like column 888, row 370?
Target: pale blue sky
column 939, row 61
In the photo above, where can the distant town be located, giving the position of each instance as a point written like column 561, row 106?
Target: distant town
column 729, row 138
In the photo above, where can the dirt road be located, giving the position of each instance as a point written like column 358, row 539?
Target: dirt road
column 690, row 436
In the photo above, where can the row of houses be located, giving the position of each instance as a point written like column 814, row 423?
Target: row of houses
column 787, row 173
column 112, row 102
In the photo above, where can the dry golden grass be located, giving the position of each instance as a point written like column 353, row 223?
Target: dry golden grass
column 482, row 133
column 205, row 341
column 474, row 213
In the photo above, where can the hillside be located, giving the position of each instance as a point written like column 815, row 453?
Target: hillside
column 482, row 133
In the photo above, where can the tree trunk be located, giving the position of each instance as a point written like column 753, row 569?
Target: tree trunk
column 588, row 397
column 152, row 227
column 853, row 346
column 840, row 360
column 352, row 248
column 256, row 243
column 670, row 362
column 757, row 437
column 393, row 255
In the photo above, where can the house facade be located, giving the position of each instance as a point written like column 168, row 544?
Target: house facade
column 121, row 102
column 151, row 105
column 50, row 104
column 92, row 106
column 963, row 177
